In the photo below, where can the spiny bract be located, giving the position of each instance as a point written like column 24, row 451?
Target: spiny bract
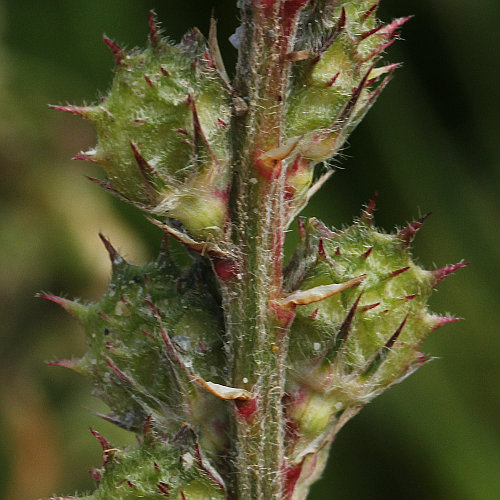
column 155, row 341
column 348, row 348
column 173, row 468
column 334, row 83
column 163, row 132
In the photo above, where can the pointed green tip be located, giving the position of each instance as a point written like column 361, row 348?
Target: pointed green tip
column 76, row 309
column 72, row 364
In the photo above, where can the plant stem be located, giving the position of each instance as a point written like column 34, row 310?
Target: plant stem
column 256, row 327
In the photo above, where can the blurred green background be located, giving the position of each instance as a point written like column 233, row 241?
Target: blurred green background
column 430, row 144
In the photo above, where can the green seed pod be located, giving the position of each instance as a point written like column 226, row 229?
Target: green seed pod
column 155, row 346
column 155, row 470
column 163, row 132
column 350, row 346
column 335, row 81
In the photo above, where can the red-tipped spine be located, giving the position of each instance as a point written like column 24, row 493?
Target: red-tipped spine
column 96, row 474
column 389, row 29
column 341, row 336
column 444, row 272
column 86, row 157
column 439, row 321
column 397, row 272
column 72, row 364
column 369, row 307
column 83, row 111
column 369, row 12
column 164, row 488
column 382, row 354
column 118, row 53
column 366, row 254
column 367, row 214
column 117, row 371
column 147, row 171
column 106, row 446
column 408, row 233
column 332, row 80
column 74, row 308
column 154, row 31
column 114, row 256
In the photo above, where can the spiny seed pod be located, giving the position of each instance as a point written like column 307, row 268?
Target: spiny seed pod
column 335, row 81
column 163, row 134
column 348, row 348
column 155, row 349
column 157, row 469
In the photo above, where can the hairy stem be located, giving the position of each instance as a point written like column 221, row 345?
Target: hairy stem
column 256, row 326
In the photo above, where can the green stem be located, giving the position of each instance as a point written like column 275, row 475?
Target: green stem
column 256, row 327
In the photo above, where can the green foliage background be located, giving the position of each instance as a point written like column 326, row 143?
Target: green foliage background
column 430, row 144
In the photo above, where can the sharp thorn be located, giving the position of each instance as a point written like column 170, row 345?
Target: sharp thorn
column 389, row 29
column 366, row 254
column 106, row 185
column 411, row 297
column 396, row 334
column 117, row 371
column 342, row 20
column 105, row 317
column 164, row 488
column 199, row 134
column 106, row 446
column 314, row 314
column 332, row 80
column 382, row 70
column 408, row 233
column 72, row 364
column 371, row 32
column 112, row 419
column 83, row 111
column 367, row 213
column 118, row 53
column 345, row 328
column 382, row 354
column 381, row 49
column 148, row 173
column 321, row 228
column 114, row 256
column 154, row 309
column 439, row 321
column 369, row 12
column 346, row 112
column 444, row 272
column 74, row 308
column 85, row 157
column 369, row 307
column 397, row 272
column 149, row 81
column 154, row 31
column 96, row 474
column 321, row 250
